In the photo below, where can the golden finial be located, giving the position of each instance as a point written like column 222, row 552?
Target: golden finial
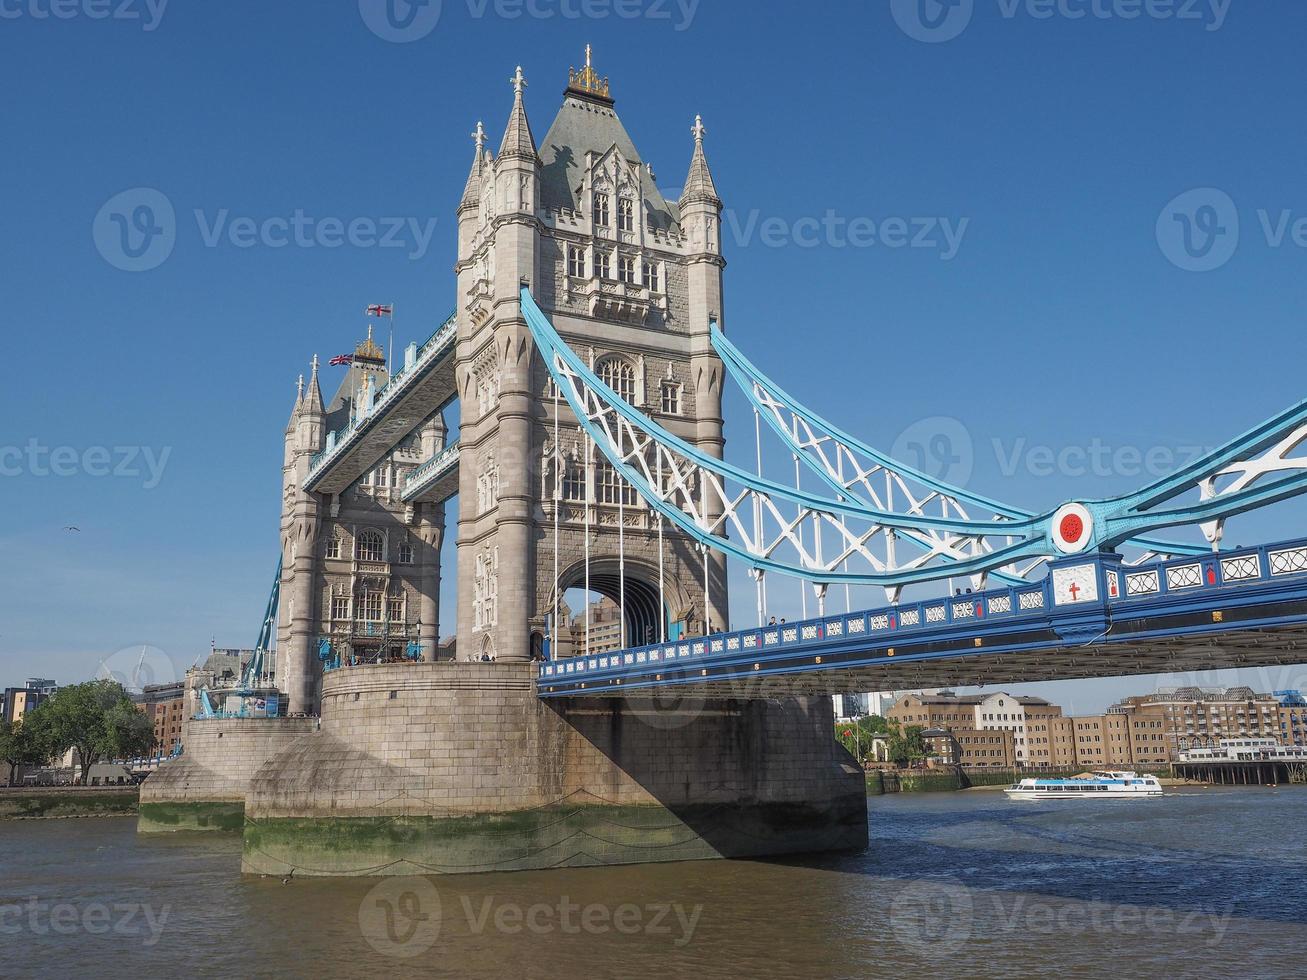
column 587, row 80
column 368, row 350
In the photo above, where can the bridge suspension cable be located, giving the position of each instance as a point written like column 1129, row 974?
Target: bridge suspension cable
column 831, row 453
column 709, row 499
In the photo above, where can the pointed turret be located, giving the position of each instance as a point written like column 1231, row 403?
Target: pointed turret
column 518, row 141
column 313, row 398
column 298, row 407
column 311, row 415
column 699, row 186
column 472, row 189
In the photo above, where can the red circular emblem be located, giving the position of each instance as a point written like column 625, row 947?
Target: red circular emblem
column 1071, row 528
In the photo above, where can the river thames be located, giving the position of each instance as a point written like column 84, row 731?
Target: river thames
column 1201, row 883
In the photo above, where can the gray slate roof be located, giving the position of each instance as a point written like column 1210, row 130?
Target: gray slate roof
column 587, row 125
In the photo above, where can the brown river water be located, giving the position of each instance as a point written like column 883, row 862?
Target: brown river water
column 1201, row 883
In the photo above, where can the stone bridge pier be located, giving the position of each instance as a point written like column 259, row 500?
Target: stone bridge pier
column 449, row 768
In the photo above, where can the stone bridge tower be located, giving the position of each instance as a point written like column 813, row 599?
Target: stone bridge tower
column 632, row 282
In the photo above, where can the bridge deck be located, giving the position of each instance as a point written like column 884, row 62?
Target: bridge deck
column 436, row 480
column 424, row 385
column 1091, row 617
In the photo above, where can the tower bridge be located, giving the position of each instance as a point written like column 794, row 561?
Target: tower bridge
column 588, row 357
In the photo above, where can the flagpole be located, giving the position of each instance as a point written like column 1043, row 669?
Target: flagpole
column 390, row 352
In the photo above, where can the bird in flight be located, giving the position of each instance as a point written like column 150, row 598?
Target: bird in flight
column 72, row 527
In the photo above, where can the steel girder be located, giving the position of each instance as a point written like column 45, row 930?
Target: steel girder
column 761, row 522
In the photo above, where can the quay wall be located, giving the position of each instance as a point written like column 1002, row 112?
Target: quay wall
column 204, row 789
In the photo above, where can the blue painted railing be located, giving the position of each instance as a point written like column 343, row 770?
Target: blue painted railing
column 1120, row 591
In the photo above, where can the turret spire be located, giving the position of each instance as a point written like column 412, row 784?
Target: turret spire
column 699, row 184
column 518, row 141
column 472, row 189
column 313, row 400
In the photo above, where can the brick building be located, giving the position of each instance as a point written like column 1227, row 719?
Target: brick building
column 1005, row 730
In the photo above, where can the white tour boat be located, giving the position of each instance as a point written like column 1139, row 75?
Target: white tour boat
column 1107, row 784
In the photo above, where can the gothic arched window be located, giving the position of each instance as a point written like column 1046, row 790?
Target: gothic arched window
column 618, row 375
column 371, row 547
column 625, row 214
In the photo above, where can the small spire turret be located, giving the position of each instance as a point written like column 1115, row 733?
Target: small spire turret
column 518, row 140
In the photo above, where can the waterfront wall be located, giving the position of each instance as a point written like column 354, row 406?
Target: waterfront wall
column 458, row 767
column 204, row 789
column 52, row 802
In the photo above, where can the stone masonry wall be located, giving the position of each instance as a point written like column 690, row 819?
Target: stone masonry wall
column 457, row 767
column 221, row 754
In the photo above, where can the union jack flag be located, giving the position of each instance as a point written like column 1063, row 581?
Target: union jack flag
column 379, row 310
column 342, row 359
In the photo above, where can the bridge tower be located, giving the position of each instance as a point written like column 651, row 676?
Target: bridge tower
column 634, row 281
column 360, row 567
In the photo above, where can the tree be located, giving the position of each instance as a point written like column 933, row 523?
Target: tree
column 874, row 724
column 97, row 719
column 19, row 747
column 906, row 744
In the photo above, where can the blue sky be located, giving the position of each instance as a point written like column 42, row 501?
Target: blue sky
column 1054, row 318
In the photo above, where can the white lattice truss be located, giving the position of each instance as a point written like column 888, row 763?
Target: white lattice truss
column 884, row 484
column 1278, row 460
column 774, row 530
